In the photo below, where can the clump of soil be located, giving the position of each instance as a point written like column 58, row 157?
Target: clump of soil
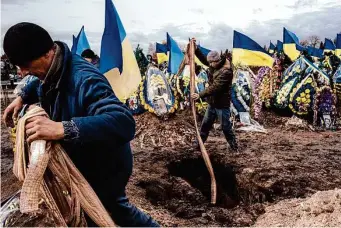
column 321, row 209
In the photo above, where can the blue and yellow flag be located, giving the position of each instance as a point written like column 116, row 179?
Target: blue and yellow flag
column 247, row 52
column 291, row 45
column 161, row 53
column 338, row 45
column 272, row 48
column 315, row 52
column 175, row 55
column 279, row 46
column 82, row 42
column 118, row 62
column 329, row 45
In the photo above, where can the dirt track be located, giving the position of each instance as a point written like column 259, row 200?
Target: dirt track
column 171, row 183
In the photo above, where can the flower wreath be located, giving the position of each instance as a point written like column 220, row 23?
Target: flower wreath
column 148, row 107
column 325, row 102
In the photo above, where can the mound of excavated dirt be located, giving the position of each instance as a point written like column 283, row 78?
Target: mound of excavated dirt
column 321, row 209
column 152, row 132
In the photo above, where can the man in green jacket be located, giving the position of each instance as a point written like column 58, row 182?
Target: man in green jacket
column 218, row 95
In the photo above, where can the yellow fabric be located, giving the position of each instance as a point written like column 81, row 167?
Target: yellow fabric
column 251, row 58
column 338, row 52
column 291, row 51
column 197, row 61
column 161, row 57
column 126, row 83
column 271, row 51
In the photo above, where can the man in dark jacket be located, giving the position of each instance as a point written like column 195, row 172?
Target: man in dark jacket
column 218, row 95
column 91, row 124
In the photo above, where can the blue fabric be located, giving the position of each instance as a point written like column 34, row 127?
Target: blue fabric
column 244, row 42
column 161, row 48
column 223, row 116
column 272, row 46
column 74, row 44
column 113, row 36
column 316, row 52
column 338, row 41
column 203, row 50
column 82, row 42
column 328, row 44
column 289, row 37
column 279, row 46
column 102, row 150
column 175, row 55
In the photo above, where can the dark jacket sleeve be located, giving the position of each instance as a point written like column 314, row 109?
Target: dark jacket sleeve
column 29, row 93
column 107, row 118
column 220, row 83
column 201, row 57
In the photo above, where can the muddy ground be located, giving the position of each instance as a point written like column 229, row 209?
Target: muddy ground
column 170, row 180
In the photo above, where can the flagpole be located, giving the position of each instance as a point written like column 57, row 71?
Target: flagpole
column 201, row 144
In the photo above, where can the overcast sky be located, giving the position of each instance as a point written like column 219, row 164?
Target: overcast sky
column 211, row 21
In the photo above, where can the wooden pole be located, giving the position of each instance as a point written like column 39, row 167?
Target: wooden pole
column 201, row 144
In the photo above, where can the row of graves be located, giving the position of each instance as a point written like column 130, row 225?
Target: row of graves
column 304, row 89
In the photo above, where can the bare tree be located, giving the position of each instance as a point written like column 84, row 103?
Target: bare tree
column 314, row 40
column 304, row 43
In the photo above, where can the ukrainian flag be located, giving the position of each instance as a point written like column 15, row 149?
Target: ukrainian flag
column 82, row 42
column 161, row 53
column 271, row 48
column 279, row 46
column 118, row 62
column 315, row 52
column 248, row 52
column 338, row 45
column 329, row 46
column 175, row 55
column 291, row 45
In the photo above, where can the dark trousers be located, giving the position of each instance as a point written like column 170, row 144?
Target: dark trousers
column 122, row 212
column 110, row 189
column 223, row 116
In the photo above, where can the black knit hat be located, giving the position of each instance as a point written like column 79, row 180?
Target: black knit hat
column 25, row 42
column 88, row 53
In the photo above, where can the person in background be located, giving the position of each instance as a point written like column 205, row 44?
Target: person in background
column 91, row 57
column 86, row 117
column 218, row 95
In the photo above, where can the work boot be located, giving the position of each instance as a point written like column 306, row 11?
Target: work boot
column 233, row 147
